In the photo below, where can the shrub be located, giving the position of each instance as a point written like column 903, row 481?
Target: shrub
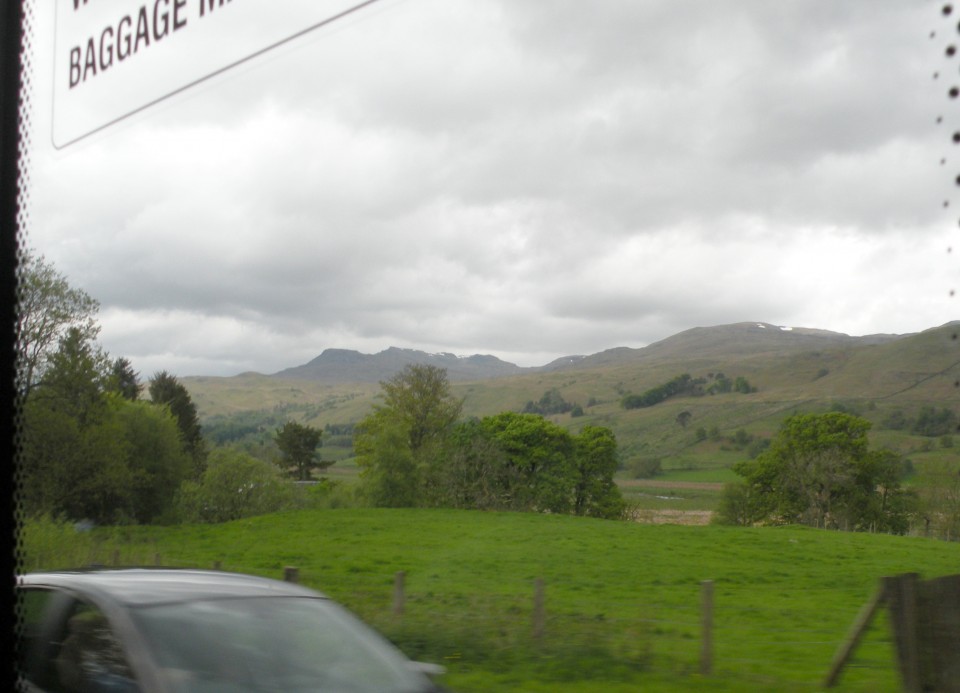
column 645, row 467
column 236, row 485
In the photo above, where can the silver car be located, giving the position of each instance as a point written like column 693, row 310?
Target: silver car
column 194, row 630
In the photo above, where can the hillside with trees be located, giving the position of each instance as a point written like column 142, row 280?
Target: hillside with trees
column 99, row 444
column 743, row 382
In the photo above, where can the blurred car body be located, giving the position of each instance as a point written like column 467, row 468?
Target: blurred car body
column 171, row 630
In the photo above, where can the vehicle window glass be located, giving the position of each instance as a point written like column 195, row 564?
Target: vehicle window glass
column 91, row 657
column 271, row 644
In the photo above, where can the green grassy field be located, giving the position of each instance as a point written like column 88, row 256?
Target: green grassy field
column 622, row 599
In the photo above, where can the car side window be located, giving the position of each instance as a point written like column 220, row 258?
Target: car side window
column 32, row 646
column 91, row 657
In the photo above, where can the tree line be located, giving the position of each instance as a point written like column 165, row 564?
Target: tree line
column 685, row 384
column 415, row 451
column 97, row 444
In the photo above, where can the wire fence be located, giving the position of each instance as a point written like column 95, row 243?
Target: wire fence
column 765, row 636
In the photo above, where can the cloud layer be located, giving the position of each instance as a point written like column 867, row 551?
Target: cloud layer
column 524, row 179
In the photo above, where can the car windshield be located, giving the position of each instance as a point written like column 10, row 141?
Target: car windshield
column 272, row 644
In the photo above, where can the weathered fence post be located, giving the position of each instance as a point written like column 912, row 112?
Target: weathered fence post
column 706, row 627
column 901, row 593
column 399, row 593
column 864, row 618
column 216, row 565
column 116, row 557
column 291, row 574
column 539, row 610
column 938, row 628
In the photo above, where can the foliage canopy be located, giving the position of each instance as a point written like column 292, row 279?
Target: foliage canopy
column 298, row 445
column 819, row 471
column 413, row 452
column 47, row 307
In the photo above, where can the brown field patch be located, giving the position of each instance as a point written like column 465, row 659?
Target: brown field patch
column 653, row 483
column 672, row 517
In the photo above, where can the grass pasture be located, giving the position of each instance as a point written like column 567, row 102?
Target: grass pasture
column 621, row 599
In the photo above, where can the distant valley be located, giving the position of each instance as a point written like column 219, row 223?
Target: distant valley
column 881, row 377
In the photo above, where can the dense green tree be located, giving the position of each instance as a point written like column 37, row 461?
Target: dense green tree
column 233, row 486
column 551, row 402
column 595, row 456
column 939, row 498
column 399, row 439
column 87, row 449
column 75, row 377
column 154, row 454
column 47, row 307
column 76, row 469
column 720, row 385
column 165, row 389
column 741, row 438
column 121, row 463
column 390, row 473
column 472, row 472
column 298, row 446
column 72, row 457
column 683, row 384
column 540, row 454
column 742, row 504
column 876, row 501
column 896, row 420
column 124, row 380
column 935, row 422
column 419, row 398
column 819, row 471
column 413, row 452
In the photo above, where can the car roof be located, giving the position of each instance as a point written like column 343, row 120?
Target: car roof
column 146, row 586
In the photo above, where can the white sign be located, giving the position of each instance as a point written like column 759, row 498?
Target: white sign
column 114, row 58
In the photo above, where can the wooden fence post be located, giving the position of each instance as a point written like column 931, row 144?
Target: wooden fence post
column 216, row 565
column 291, row 574
column 901, row 592
column 116, row 557
column 399, row 593
column 706, row 627
column 864, row 618
column 539, row 610
column 938, row 632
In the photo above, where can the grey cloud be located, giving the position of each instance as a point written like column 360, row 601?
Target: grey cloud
column 523, row 179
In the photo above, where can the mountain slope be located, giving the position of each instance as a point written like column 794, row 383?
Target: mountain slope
column 792, row 370
column 699, row 343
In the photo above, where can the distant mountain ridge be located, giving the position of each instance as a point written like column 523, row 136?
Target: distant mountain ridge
column 348, row 366
column 336, row 366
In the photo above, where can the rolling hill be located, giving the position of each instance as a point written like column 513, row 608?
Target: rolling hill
column 791, row 369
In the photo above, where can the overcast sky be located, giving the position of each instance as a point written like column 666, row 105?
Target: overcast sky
column 528, row 179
